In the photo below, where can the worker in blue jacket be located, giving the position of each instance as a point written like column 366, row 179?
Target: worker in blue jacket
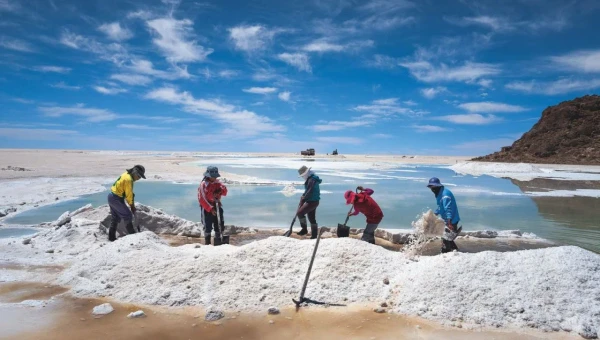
column 448, row 211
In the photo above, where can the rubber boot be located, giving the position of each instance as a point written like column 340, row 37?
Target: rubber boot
column 129, row 227
column 207, row 240
column 112, row 233
column 304, row 227
column 314, row 231
column 217, row 241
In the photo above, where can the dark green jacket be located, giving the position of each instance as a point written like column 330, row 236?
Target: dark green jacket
column 312, row 192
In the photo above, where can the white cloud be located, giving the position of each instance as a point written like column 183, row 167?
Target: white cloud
column 62, row 85
column 228, row 73
column 9, row 6
column 429, row 128
column 16, row 45
column 385, row 108
column 132, row 79
column 339, row 125
column 258, row 104
column 506, row 25
column 36, row 134
column 23, row 101
column 252, row 38
column 323, row 46
column 431, row 92
column 141, row 14
column 489, row 107
column 340, row 140
column 139, row 127
column 114, row 31
column 110, row 91
column 90, row 114
column 55, row 69
column 493, row 23
column 550, row 88
column 173, row 38
column 469, row 72
column 298, row 60
column 113, row 52
column 260, row 90
column 410, row 103
column 586, row 61
column 240, row 123
column 383, row 61
column 470, row 119
column 146, row 67
column 383, row 136
column 285, row 96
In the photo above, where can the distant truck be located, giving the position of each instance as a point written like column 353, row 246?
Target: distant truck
column 308, row 152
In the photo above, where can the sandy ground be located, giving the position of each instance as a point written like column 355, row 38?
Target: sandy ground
column 67, row 318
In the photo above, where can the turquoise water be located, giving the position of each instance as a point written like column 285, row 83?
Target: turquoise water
column 16, row 232
column 484, row 202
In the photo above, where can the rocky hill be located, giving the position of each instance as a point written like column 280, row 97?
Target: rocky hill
column 567, row 133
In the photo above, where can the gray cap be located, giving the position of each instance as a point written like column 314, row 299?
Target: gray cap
column 303, row 170
column 212, row 171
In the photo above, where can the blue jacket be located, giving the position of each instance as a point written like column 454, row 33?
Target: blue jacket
column 447, row 208
column 312, row 192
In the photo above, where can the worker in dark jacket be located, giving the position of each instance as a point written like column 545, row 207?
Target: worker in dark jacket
column 364, row 203
column 448, row 211
column 309, row 201
column 121, row 191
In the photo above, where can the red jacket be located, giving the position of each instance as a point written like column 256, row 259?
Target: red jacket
column 209, row 192
column 365, row 204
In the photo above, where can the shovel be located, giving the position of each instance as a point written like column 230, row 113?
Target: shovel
column 224, row 238
column 342, row 230
column 302, row 299
column 289, row 232
column 137, row 222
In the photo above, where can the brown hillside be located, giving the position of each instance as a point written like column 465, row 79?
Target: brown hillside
column 567, row 133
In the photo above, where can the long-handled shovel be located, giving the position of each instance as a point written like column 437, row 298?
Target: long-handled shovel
column 224, row 237
column 289, row 232
column 302, row 299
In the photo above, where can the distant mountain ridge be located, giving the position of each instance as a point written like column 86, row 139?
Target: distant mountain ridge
column 567, row 133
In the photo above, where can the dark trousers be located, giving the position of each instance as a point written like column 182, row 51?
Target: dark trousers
column 309, row 208
column 119, row 211
column 210, row 222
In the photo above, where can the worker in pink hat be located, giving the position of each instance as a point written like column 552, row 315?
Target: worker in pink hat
column 364, row 203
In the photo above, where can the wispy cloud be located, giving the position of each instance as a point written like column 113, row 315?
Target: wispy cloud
column 54, row 69
column 109, row 91
column 114, row 31
column 146, row 67
column 64, row 86
column 324, row 46
column 16, row 45
column 431, row 92
column 491, row 107
column 132, row 79
column 90, row 114
column 340, row 140
column 239, row 123
column 410, row 103
column 251, row 38
column 285, row 96
column 429, row 128
column 493, row 23
column 550, row 88
column 174, row 38
column 9, row 6
column 470, row 119
column 500, row 24
column 228, row 73
column 36, row 134
column 468, row 72
column 140, row 127
column 297, row 60
column 22, row 100
column 339, row 125
column 385, row 108
column 585, row 61
column 113, row 52
column 382, row 135
column 260, row 90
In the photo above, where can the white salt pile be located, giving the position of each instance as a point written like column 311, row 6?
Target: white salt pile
column 427, row 227
column 289, row 190
column 552, row 289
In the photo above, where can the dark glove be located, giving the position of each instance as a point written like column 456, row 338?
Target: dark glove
column 360, row 188
column 133, row 209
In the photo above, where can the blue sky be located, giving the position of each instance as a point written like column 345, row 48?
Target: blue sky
column 379, row 76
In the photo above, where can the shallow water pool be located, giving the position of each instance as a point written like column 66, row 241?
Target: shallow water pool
column 484, row 202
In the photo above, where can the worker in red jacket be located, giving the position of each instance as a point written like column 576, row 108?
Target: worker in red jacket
column 209, row 197
column 364, row 203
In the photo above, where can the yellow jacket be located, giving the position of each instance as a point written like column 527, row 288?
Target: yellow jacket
column 123, row 187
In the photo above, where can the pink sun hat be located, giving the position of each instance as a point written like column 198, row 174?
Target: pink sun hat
column 349, row 196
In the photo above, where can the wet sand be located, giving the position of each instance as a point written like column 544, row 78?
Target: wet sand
column 69, row 318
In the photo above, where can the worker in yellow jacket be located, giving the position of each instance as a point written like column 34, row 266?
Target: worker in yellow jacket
column 121, row 191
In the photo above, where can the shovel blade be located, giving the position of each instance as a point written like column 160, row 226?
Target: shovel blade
column 287, row 233
column 342, row 230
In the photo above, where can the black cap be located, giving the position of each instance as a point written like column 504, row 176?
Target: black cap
column 140, row 170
